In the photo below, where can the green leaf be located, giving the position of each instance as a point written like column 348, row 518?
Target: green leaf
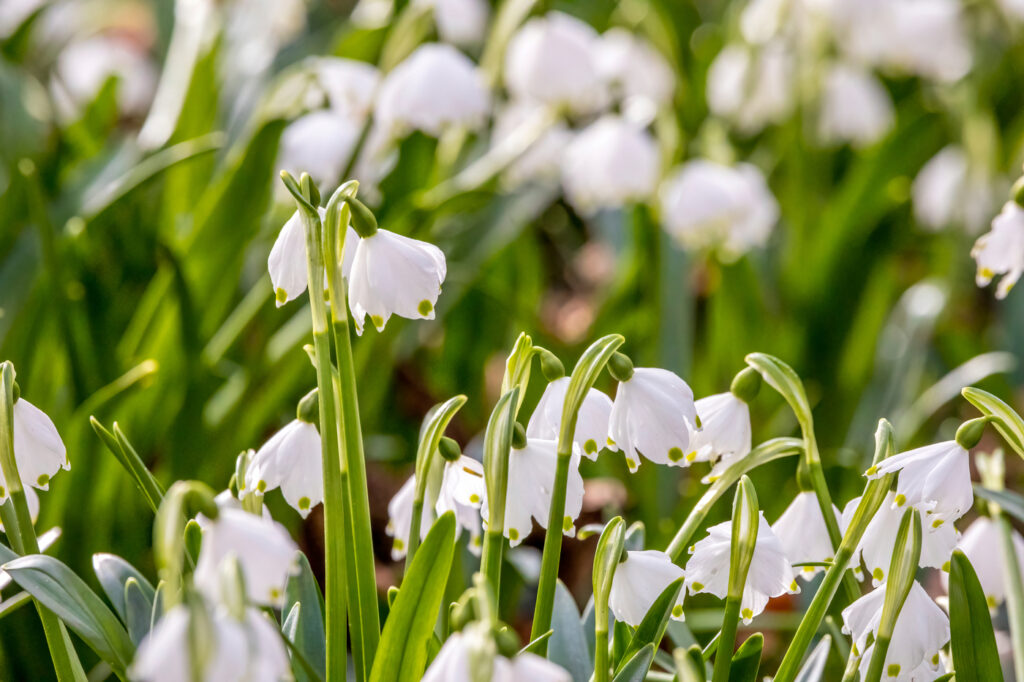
column 972, row 640
column 747, row 659
column 402, row 654
column 308, row 630
column 568, row 645
column 113, row 573
column 652, row 627
column 783, row 379
column 302, row 669
column 1010, row 502
column 126, row 456
column 158, row 604
column 1007, row 421
column 58, row 588
column 814, row 666
column 690, row 665
column 635, row 669
column 138, row 609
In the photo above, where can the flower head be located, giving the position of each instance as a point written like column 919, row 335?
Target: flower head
column 725, row 431
column 638, row 73
column 463, row 491
column 348, row 85
column 292, row 461
column 855, row 107
column 400, row 519
column 752, row 88
column 804, row 536
column 319, row 143
column 638, row 582
column 288, row 264
column 542, row 160
column 936, row 479
column 459, row 22
column 1001, row 250
column 652, row 415
column 591, row 424
column 949, row 189
column 38, row 450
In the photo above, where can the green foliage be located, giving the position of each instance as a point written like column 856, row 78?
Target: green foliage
column 972, row 640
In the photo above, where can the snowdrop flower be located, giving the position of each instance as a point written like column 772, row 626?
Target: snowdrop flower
column 1001, row 250
column 265, row 552
column 255, row 30
column 287, row 261
column 611, row 163
column 921, row 630
column 84, row 66
column 453, row 662
column 434, row 89
column 652, row 415
column 554, row 60
column 855, row 107
column 463, row 491
column 752, row 87
column 348, row 85
column 770, row 573
column 392, row 274
column 591, row 424
column 542, row 159
column 708, row 205
column 879, row 538
column 935, row 478
column 949, row 190
column 725, row 431
column 982, row 544
column 531, row 477
column 292, row 461
column 459, row 22
column 638, row 582
column 319, row 143
column 400, row 519
column 38, row 450
column 246, row 651
column 640, row 75
column 802, row 532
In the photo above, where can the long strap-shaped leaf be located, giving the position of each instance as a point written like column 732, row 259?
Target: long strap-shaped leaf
column 402, row 654
column 652, row 627
column 973, row 642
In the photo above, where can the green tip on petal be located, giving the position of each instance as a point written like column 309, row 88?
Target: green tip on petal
column 303, row 503
column 281, row 296
column 937, row 522
column 399, row 544
column 675, row 454
column 893, row 670
column 677, row 610
column 877, row 574
column 697, row 587
column 474, row 498
column 43, row 480
column 261, row 486
column 425, row 307
column 566, row 524
column 901, row 500
column 513, row 534
column 946, row 567
column 747, row 614
column 590, row 447
column 872, row 471
column 377, row 321
column 989, row 599
column 691, row 456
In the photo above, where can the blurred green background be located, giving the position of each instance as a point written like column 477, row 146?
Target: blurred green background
column 133, row 281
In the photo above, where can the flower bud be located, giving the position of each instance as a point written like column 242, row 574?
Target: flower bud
column 550, row 365
column 309, row 188
column 363, row 220
column 620, row 367
column 309, row 408
column 746, row 384
column 16, row 391
column 970, row 432
column 449, row 449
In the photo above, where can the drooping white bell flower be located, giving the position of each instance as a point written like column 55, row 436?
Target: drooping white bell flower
column 319, row 143
column 638, row 73
column 38, row 450
column 936, row 479
column 709, row 205
column 804, row 536
column 349, row 85
column 239, row 651
column 652, row 415
column 453, row 663
column 459, row 22
column 84, row 66
column 542, row 160
column 400, row 519
column 554, row 60
column 463, row 491
column 921, row 630
column 291, row 460
column 638, row 582
column 531, row 478
column 609, row 164
column 434, row 89
column 287, row 261
column 266, row 553
column 950, row 190
column 879, row 539
column 724, row 435
column 752, row 87
column 1001, row 250
column 855, row 107
column 983, row 545
column 591, row 424
column 770, row 573
column 394, row 275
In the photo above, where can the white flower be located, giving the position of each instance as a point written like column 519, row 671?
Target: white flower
column 246, row 651
column 652, row 416
column 708, row 205
column 921, row 630
column 463, row 490
column 434, row 89
column 609, row 164
column 641, row 75
column 349, row 85
column 319, row 143
column 879, row 539
column 459, row 22
column 804, row 536
column 400, row 519
column 542, row 159
column 724, row 430
column 38, row 450
column 639, row 580
column 554, row 60
column 591, row 424
column 265, row 552
column 287, row 262
column 292, row 461
column 1001, row 251
column 84, row 66
column 752, row 87
column 531, row 478
column 770, row 573
column 935, row 478
column 855, row 107
column 949, row 189
column 394, row 275
column 452, row 663
column 983, row 545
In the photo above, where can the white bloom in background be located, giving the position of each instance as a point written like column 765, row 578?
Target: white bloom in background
column 638, row 73
column 652, row 415
column 348, row 85
column 463, row 491
column 1001, row 250
column 1014, row 9
column 639, row 580
column 292, row 461
column 724, row 430
column 752, row 87
column 287, row 261
column 982, row 543
column 319, row 143
column 542, row 160
column 591, row 424
column 609, row 164
column 38, row 450
column 921, row 630
column 453, row 663
column 935, row 478
column 708, row 205
column 459, row 22
column 554, row 60
column 84, row 66
column 394, row 275
column 254, row 31
column 240, row 651
column 265, row 552
column 400, row 519
column 949, row 190
column 770, row 574
column 801, row 530
column 879, row 539
column 531, row 478
column 855, row 107
column 436, row 88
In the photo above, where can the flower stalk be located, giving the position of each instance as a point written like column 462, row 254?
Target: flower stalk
column 606, row 560
column 497, row 448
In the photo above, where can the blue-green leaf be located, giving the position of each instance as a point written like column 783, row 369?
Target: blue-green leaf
column 308, row 634
column 635, row 669
column 747, row 659
column 568, row 645
column 138, row 610
column 113, row 573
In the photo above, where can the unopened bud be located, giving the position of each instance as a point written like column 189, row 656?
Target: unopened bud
column 550, row 365
column 507, row 641
column 449, row 449
column 620, row 367
column 363, row 220
column 16, row 391
column 518, row 437
column 746, row 384
column 1017, row 191
column 309, row 407
column 970, row 432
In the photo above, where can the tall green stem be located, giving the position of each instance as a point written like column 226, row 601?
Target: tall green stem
column 1014, row 594
column 726, row 639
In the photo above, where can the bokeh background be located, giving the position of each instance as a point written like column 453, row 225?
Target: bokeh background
column 134, row 237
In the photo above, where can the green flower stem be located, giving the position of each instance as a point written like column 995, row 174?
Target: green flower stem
column 852, row 667
column 1014, row 592
column 723, row 655
column 606, row 560
column 497, row 448
column 878, row 655
column 22, row 534
column 745, row 526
